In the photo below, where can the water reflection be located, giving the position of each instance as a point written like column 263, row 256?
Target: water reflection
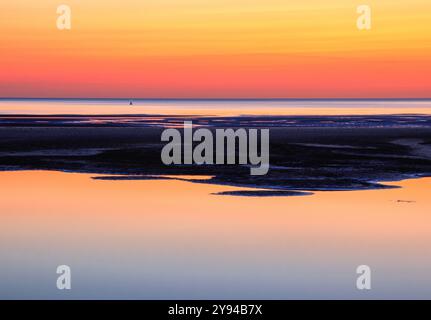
column 174, row 239
column 214, row 107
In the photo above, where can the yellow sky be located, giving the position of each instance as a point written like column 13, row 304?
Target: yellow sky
column 202, row 40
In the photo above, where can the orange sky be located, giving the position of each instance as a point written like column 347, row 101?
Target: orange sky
column 220, row 49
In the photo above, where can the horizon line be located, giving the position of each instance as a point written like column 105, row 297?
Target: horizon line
column 217, row 99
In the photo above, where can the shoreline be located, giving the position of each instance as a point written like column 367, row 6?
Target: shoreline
column 301, row 158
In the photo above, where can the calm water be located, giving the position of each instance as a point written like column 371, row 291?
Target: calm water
column 208, row 107
column 174, row 239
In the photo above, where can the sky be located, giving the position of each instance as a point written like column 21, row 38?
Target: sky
column 215, row 49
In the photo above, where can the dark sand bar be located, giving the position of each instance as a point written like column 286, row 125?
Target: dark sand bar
column 307, row 153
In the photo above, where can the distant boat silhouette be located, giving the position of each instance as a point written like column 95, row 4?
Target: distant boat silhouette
column 130, row 103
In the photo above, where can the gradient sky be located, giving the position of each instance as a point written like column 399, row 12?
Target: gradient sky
column 215, row 48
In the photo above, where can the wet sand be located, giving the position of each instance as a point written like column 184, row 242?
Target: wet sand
column 318, row 153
